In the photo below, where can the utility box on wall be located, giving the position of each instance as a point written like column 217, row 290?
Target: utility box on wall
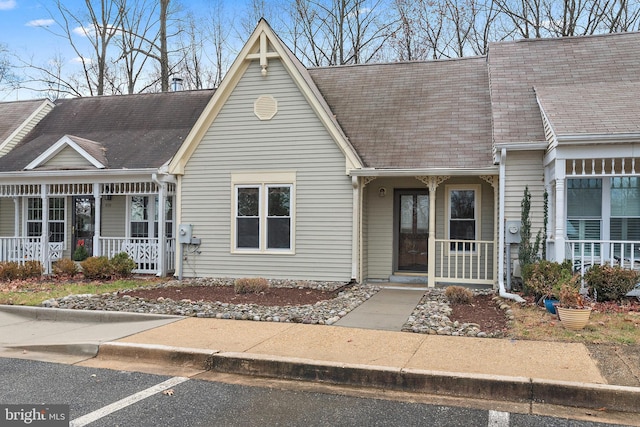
column 512, row 231
column 185, row 232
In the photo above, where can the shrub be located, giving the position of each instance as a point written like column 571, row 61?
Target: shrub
column 122, row 265
column 610, row 283
column 30, row 269
column 568, row 291
column 80, row 254
column 250, row 285
column 65, row 267
column 458, row 295
column 96, row 267
column 9, row 271
column 543, row 275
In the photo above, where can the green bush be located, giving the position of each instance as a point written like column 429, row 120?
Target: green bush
column 458, row 295
column 80, row 254
column 65, row 267
column 122, row 265
column 96, row 268
column 610, row 283
column 540, row 277
column 9, row 271
column 250, row 285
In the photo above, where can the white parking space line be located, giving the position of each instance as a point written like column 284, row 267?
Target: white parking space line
column 498, row 419
column 123, row 403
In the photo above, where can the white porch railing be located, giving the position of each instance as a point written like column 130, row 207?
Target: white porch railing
column 465, row 261
column 585, row 253
column 20, row 249
column 143, row 251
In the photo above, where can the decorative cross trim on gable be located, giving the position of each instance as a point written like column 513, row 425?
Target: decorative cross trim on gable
column 91, row 151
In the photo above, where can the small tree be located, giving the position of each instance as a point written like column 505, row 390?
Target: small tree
column 528, row 253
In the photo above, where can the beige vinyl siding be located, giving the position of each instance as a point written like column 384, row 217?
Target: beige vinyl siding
column 524, row 168
column 364, row 230
column 293, row 141
column 114, row 216
column 7, row 217
column 68, row 158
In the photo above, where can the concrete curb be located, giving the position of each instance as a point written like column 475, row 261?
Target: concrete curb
column 491, row 387
column 157, row 354
column 76, row 349
column 70, row 315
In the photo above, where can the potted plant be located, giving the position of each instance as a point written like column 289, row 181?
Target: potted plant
column 572, row 310
column 542, row 277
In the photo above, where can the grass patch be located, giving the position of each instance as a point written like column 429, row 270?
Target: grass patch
column 33, row 293
column 535, row 323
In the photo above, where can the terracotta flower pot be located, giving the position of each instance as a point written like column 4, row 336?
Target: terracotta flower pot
column 574, row 318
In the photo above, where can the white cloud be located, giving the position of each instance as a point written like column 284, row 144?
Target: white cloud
column 40, row 23
column 82, row 31
column 7, row 4
column 80, row 60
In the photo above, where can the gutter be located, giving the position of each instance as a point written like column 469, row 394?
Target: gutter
column 502, row 290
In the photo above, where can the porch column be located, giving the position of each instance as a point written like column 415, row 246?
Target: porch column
column 560, row 211
column 97, row 231
column 16, row 217
column 494, row 181
column 432, row 183
column 162, row 229
column 45, row 230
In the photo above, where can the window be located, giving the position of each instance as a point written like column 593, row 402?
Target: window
column 168, row 217
column 139, row 221
column 462, row 218
column 263, row 212
column 593, row 203
column 56, row 218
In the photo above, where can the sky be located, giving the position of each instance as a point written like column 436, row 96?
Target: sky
column 25, row 29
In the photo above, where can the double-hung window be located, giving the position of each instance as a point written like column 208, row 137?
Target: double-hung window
column 263, row 213
column 463, row 221
column 145, row 208
column 55, row 218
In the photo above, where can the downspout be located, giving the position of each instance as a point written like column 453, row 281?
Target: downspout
column 502, row 291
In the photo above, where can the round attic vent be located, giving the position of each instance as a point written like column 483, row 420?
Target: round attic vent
column 265, row 107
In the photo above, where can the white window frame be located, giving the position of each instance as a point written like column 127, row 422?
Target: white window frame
column 476, row 212
column 150, row 216
column 26, row 221
column 263, row 181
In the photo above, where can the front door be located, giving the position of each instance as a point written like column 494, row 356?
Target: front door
column 83, row 223
column 412, row 230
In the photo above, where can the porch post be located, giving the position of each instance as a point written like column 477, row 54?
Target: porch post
column 162, row 230
column 45, row 230
column 97, row 231
column 16, row 217
column 432, row 182
column 560, row 211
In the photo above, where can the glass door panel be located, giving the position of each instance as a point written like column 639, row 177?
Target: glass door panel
column 413, row 230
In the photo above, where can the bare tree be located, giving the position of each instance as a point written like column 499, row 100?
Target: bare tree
column 336, row 32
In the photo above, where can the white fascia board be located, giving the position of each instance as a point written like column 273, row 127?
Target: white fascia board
column 77, row 176
column 493, row 170
column 63, row 142
column 582, row 139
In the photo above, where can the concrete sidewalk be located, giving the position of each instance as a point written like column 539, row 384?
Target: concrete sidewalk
column 518, row 371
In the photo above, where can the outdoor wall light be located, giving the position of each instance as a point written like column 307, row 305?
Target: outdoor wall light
column 382, row 192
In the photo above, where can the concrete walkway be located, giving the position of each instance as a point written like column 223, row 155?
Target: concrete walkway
column 387, row 310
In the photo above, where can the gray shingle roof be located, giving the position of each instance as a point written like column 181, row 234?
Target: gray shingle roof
column 601, row 108
column 14, row 114
column 430, row 114
column 136, row 131
column 516, row 67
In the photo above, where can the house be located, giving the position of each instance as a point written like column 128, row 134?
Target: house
column 92, row 173
column 402, row 171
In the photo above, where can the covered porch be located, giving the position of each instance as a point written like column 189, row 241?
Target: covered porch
column 58, row 217
column 435, row 229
